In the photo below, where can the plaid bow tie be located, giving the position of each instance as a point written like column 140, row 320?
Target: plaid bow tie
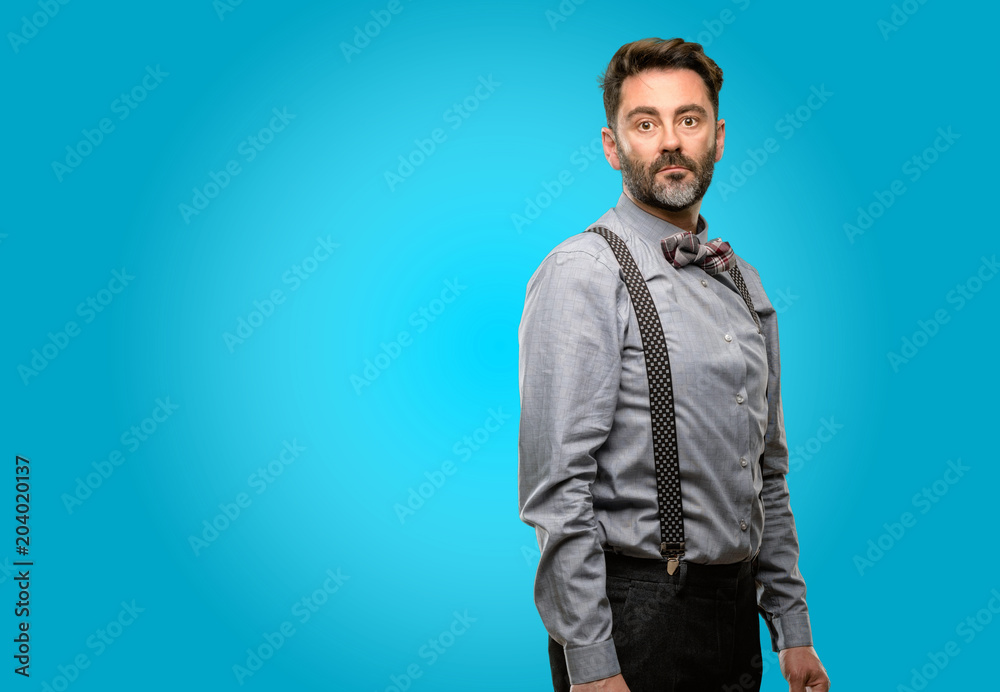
column 714, row 257
column 684, row 247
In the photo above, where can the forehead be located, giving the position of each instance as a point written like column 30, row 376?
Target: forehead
column 664, row 90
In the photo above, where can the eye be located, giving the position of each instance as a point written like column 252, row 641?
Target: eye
column 690, row 121
column 643, row 124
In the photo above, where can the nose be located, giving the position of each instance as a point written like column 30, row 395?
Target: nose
column 669, row 141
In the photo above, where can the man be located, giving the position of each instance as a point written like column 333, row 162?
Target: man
column 628, row 607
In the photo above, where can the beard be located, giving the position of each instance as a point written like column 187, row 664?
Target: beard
column 672, row 193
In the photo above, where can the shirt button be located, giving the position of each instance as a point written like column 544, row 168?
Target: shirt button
column 743, row 462
column 739, row 398
column 704, row 283
column 728, row 337
column 743, row 526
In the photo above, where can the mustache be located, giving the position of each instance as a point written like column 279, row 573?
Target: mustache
column 673, row 160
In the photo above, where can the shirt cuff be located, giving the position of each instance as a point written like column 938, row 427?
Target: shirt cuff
column 790, row 630
column 592, row 662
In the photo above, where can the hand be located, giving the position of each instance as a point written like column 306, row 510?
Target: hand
column 801, row 668
column 615, row 683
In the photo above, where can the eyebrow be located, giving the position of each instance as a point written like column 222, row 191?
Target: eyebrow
column 649, row 110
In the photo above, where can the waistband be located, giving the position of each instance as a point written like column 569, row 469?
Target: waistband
column 650, row 569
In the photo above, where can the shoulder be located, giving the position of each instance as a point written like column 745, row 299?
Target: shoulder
column 583, row 255
column 754, row 284
column 745, row 266
column 584, row 246
column 579, row 276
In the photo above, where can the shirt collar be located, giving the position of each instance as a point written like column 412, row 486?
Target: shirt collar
column 653, row 228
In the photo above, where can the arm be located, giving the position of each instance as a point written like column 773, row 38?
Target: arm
column 781, row 590
column 570, row 365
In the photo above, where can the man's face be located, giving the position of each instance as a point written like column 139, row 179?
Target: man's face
column 667, row 141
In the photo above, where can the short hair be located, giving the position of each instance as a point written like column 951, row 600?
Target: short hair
column 652, row 54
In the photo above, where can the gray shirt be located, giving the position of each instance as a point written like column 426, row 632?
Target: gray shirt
column 586, row 478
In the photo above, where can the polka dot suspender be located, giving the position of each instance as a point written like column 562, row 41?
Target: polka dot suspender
column 661, row 404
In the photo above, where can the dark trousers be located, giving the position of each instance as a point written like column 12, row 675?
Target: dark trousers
column 693, row 631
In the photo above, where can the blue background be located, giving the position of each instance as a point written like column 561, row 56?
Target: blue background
column 379, row 413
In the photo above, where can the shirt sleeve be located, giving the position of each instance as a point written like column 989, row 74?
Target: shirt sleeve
column 781, row 590
column 569, row 371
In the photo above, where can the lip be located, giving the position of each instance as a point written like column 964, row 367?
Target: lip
column 671, row 169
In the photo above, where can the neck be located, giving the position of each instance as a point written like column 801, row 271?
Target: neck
column 685, row 219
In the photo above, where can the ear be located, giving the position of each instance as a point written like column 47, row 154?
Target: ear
column 610, row 152
column 720, row 139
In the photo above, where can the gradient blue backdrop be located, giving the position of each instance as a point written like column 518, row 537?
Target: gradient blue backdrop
column 373, row 413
